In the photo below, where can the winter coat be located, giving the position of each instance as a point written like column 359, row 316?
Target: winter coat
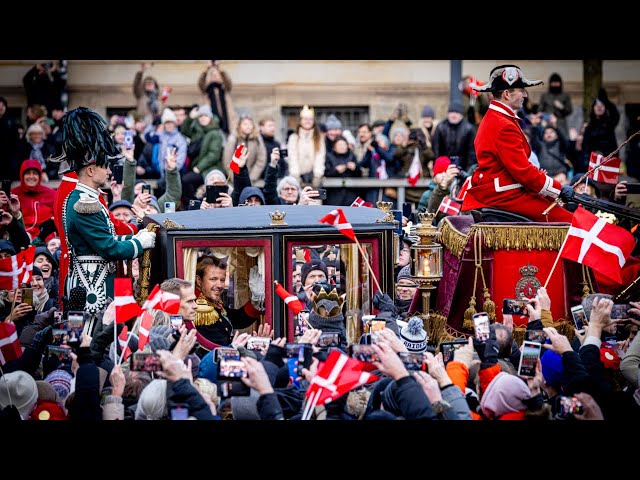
column 172, row 194
column 183, row 391
column 86, row 403
column 306, row 164
column 48, row 150
column 210, row 155
column 546, row 105
column 36, row 202
column 450, row 140
column 147, row 104
column 341, row 196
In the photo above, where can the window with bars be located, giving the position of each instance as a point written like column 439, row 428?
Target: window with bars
column 349, row 116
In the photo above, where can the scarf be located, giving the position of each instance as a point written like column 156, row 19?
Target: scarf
column 40, row 301
column 36, row 153
column 218, row 101
column 153, row 102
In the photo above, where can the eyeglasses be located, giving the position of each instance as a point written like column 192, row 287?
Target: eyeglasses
column 289, row 189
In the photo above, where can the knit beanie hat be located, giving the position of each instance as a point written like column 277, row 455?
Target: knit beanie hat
column 60, row 380
column 552, row 369
column 307, row 268
column 414, row 335
column 333, row 123
column 427, row 111
column 46, row 393
column 440, row 165
column 205, row 110
column 505, row 394
column 48, row 411
column 405, row 272
column 246, row 408
column 168, row 116
column 20, row 390
column 456, row 107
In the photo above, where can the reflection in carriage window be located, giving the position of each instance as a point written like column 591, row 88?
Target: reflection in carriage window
column 334, row 283
column 230, row 289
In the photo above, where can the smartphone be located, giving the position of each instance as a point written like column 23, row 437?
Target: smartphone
column 481, row 326
column 27, row 296
column 511, row 306
column 322, row 194
column 169, row 207
column 303, row 318
column 529, row 358
column 117, row 172
column 633, row 188
column 146, row 188
column 62, row 352
column 448, row 348
column 226, row 353
column 57, row 318
column 535, row 336
column 59, row 335
column 568, row 406
column 232, row 368
column 619, row 310
column 329, row 340
column 146, row 362
column 213, row 192
column 176, row 322
column 366, row 322
column 413, row 361
column 233, row 388
column 128, row 140
column 407, row 209
column 75, row 323
column 194, row 204
column 258, row 343
column 364, row 353
column 579, row 317
column 455, row 160
column 179, row 412
column 284, row 153
column 302, row 353
column 6, row 187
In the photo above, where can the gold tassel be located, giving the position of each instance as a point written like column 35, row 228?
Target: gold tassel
column 436, row 330
column 452, row 239
column 518, row 334
column 565, row 328
column 469, row 313
column 489, row 306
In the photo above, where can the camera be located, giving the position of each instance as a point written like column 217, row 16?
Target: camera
column 569, row 406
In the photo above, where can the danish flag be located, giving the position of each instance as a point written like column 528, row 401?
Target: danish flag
column 146, row 320
column 17, row 269
column 600, row 245
column 126, row 306
column 449, row 207
column 235, row 168
column 337, row 219
column 166, row 91
column 290, row 300
column 123, row 341
column 606, row 172
column 359, row 202
column 338, row 375
column 415, row 170
column 464, row 188
column 10, row 348
column 161, row 300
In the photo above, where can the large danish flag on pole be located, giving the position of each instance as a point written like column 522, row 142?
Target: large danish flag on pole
column 600, row 245
column 339, row 220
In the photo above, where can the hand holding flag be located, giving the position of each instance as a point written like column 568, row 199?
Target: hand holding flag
column 239, row 159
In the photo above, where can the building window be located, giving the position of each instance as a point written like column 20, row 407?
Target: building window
column 350, row 116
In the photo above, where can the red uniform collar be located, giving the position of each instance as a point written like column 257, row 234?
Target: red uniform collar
column 502, row 108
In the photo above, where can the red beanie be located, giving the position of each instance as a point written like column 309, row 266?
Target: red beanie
column 440, row 165
column 48, row 411
column 609, row 357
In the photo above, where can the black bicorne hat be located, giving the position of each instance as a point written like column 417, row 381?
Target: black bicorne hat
column 504, row 77
column 86, row 140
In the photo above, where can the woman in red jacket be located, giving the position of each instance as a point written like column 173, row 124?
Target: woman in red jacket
column 36, row 200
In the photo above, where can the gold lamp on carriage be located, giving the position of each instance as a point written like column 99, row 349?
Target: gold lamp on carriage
column 426, row 258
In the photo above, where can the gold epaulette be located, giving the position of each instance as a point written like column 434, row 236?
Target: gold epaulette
column 206, row 314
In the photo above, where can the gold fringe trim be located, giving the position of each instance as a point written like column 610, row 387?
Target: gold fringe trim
column 520, row 237
column 436, row 330
column 508, row 237
column 454, row 240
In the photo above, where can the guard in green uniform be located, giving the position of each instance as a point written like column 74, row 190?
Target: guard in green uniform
column 90, row 235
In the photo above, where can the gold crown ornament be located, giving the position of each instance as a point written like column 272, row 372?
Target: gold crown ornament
column 307, row 112
column 277, row 217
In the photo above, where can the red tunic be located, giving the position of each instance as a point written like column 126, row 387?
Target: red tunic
column 67, row 185
column 505, row 179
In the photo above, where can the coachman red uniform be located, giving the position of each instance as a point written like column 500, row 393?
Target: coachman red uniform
column 504, row 178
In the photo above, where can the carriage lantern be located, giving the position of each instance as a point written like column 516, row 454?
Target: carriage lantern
column 427, row 258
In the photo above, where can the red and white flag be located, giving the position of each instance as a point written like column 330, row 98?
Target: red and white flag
column 290, row 299
column 381, row 171
column 17, row 269
column 126, row 306
column 161, row 300
column 10, row 348
column 600, row 245
column 166, row 91
column 607, row 173
column 307, row 255
column 235, row 168
column 359, row 202
column 338, row 375
column 339, row 220
column 123, row 342
column 415, row 170
column 449, row 207
column 464, row 188
column 146, row 320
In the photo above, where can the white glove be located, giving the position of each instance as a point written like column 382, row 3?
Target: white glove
column 146, row 238
column 256, row 285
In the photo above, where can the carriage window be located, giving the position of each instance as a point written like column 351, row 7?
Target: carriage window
column 231, row 273
column 332, row 266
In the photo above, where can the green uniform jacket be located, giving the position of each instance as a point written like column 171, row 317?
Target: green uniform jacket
column 90, row 232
